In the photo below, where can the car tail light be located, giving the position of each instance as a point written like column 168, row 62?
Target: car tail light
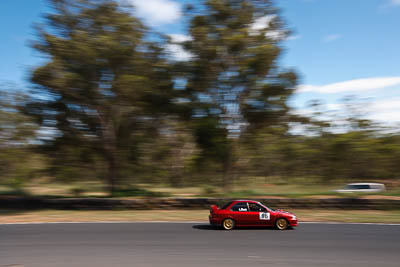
column 213, row 208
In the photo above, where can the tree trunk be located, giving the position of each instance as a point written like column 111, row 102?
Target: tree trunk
column 230, row 166
column 109, row 143
column 227, row 178
column 112, row 175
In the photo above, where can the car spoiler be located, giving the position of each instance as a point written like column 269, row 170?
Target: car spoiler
column 213, row 208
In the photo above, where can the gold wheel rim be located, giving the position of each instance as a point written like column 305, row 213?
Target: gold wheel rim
column 228, row 224
column 282, row 224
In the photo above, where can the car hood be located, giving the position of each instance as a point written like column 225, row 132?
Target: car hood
column 283, row 212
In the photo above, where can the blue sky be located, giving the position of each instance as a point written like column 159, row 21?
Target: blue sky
column 339, row 47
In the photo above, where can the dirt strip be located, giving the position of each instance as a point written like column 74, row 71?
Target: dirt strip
column 17, row 216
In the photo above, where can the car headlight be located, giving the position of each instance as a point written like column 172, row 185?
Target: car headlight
column 294, row 217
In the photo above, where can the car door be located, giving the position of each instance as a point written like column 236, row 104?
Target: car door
column 260, row 215
column 253, row 215
column 240, row 213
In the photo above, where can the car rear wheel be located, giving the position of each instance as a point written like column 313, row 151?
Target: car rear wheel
column 228, row 224
column 281, row 224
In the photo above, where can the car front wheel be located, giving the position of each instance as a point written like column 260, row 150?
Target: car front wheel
column 281, row 224
column 228, row 224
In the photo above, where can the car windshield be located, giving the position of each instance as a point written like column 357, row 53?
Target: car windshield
column 357, row 186
column 268, row 208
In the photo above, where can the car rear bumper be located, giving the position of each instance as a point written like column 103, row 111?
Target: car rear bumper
column 214, row 221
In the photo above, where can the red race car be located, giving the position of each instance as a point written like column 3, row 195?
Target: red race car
column 250, row 213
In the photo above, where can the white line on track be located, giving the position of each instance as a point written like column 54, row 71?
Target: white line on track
column 349, row 223
column 104, row 222
column 181, row 222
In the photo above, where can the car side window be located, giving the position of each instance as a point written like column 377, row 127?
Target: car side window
column 256, row 207
column 241, row 206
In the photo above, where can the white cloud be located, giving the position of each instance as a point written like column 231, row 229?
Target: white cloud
column 387, row 104
column 294, row 37
column 386, row 111
column 175, row 48
column 263, row 23
column 157, row 12
column 390, row 4
column 331, row 37
column 367, row 84
column 394, row 2
column 276, row 35
column 389, row 118
column 179, row 38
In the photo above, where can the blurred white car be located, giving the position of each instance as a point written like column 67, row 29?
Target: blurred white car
column 362, row 188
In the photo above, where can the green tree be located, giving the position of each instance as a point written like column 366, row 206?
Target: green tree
column 17, row 133
column 233, row 80
column 101, row 82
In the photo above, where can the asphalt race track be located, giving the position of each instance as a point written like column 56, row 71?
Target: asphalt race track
column 185, row 244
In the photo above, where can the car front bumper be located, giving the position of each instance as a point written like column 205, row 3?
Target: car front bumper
column 292, row 222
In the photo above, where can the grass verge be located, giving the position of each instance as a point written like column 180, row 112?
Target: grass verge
column 359, row 216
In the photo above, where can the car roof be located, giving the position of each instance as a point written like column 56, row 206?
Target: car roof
column 364, row 184
column 246, row 200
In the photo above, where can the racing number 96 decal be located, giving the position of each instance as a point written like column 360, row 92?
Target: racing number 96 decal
column 264, row 215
